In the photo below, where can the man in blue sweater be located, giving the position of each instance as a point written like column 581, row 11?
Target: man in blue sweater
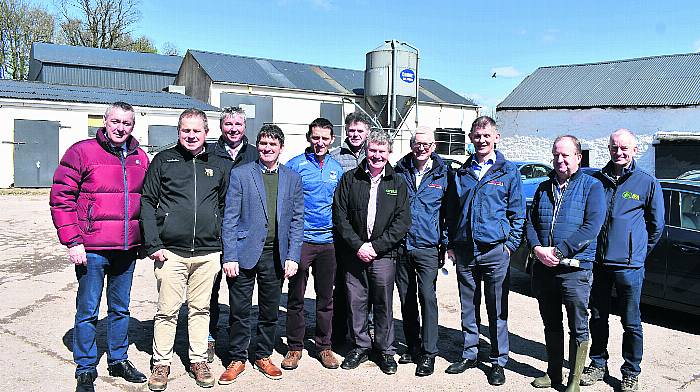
column 566, row 215
column 485, row 226
column 633, row 226
column 320, row 174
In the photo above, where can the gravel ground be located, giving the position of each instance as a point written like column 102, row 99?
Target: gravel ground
column 37, row 284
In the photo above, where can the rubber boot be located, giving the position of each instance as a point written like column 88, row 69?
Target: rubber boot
column 578, row 354
column 554, row 343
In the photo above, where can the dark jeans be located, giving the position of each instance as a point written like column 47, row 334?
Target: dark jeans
column 341, row 318
column 416, row 272
column 372, row 283
column 553, row 288
column 492, row 268
column 322, row 258
column 268, row 273
column 628, row 285
column 118, row 266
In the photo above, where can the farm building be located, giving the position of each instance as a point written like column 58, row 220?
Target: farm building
column 646, row 95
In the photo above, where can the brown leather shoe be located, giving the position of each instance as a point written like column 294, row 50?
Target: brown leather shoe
column 328, row 360
column 202, row 374
column 233, row 370
column 291, row 360
column 268, row 368
column 159, row 378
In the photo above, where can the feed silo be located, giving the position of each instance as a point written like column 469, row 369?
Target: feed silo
column 391, row 82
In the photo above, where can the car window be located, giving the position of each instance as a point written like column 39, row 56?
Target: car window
column 526, row 170
column 690, row 210
column 539, row 171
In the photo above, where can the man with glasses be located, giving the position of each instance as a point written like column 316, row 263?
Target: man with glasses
column 632, row 228
column 426, row 177
column 565, row 218
column 485, row 225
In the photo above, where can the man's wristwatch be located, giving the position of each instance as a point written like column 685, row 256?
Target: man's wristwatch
column 558, row 253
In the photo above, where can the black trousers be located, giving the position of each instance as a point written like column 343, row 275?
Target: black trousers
column 268, row 273
column 416, row 272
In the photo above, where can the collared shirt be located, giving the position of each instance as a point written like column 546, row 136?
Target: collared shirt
column 420, row 173
column 265, row 170
column 558, row 190
column 372, row 204
column 233, row 152
column 481, row 169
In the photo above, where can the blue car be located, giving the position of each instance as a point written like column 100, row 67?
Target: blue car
column 532, row 173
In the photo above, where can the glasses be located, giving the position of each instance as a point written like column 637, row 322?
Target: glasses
column 424, row 146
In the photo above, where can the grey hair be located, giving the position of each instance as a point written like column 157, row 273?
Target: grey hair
column 623, row 131
column 379, row 136
column 231, row 111
column 424, row 130
column 119, row 105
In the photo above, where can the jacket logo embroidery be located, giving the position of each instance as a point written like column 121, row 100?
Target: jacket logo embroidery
column 138, row 162
column 494, row 182
column 630, row 195
column 392, row 192
column 173, row 160
column 437, row 186
column 333, row 175
column 209, row 172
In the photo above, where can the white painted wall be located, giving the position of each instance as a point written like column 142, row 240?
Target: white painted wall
column 73, row 118
column 528, row 134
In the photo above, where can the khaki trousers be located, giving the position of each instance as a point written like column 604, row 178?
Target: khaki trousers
column 183, row 276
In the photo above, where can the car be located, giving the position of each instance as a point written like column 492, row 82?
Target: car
column 532, row 173
column 692, row 175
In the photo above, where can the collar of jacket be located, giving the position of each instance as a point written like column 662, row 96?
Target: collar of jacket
column 405, row 165
column 346, row 146
column 467, row 166
column 609, row 171
column 101, row 136
column 362, row 174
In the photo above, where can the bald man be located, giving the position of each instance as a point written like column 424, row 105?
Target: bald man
column 425, row 174
column 632, row 227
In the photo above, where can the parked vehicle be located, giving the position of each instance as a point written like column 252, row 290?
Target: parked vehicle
column 691, row 175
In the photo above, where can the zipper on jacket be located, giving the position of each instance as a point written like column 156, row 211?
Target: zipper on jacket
column 194, row 226
column 122, row 159
column 606, row 226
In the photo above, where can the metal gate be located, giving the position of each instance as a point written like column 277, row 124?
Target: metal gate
column 258, row 111
column 35, row 153
column 161, row 137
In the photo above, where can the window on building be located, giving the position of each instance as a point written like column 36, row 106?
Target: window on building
column 95, row 122
column 450, row 141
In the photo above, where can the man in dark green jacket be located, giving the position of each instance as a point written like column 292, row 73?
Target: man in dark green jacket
column 371, row 216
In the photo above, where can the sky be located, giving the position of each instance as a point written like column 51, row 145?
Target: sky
column 461, row 43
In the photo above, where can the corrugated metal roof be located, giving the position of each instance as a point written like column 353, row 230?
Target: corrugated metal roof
column 228, row 68
column 105, row 58
column 102, row 77
column 53, row 92
column 672, row 80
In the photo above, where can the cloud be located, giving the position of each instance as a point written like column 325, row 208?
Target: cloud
column 505, row 72
column 550, row 35
column 696, row 45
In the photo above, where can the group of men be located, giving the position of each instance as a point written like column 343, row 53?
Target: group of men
column 203, row 211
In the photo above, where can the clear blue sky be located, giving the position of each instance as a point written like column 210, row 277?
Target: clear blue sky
column 461, row 42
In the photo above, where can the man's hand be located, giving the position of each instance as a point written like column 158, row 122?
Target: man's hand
column 450, row 255
column 366, row 252
column 231, row 269
column 76, row 254
column 159, row 255
column 290, row 268
column 546, row 255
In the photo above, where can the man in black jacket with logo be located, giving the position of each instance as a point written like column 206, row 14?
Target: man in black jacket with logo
column 234, row 150
column 181, row 208
column 371, row 216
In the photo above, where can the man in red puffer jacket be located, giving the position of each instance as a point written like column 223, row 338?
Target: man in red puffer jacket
column 95, row 206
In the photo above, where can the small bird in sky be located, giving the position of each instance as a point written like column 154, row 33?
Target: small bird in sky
column 494, row 75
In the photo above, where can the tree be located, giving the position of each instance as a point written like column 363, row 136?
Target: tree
column 169, row 49
column 20, row 26
column 102, row 24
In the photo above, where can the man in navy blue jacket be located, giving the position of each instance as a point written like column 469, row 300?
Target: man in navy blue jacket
column 485, row 226
column 426, row 176
column 567, row 212
column 633, row 226
column 320, row 174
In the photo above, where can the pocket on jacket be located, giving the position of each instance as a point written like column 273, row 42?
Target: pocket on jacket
column 619, row 241
column 242, row 234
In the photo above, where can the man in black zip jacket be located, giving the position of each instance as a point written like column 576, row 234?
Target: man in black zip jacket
column 181, row 208
column 234, row 150
column 371, row 215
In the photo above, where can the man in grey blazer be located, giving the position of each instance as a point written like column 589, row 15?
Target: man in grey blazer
column 262, row 233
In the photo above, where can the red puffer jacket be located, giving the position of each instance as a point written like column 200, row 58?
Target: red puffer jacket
column 96, row 195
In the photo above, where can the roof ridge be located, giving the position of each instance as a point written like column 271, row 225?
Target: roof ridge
column 620, row 60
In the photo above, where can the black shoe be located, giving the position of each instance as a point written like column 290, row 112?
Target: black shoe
column 497, row 376
column 410, row 356
column 426, row 366
column 84, row 382
column 354, row 359
column 461, row 366
column 387, row 363
column 126, row 370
